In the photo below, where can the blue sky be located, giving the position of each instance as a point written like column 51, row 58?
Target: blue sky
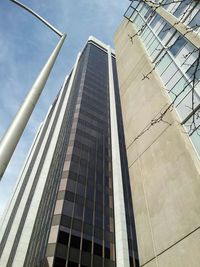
column 25, row 45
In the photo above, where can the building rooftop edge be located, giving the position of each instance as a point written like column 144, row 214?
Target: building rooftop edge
column 100, row 43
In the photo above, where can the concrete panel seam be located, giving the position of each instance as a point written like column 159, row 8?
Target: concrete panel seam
column 193, row 231
column 149, row 146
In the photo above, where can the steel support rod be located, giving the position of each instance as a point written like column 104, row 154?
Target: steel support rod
column 37, row 16
column 14, row 132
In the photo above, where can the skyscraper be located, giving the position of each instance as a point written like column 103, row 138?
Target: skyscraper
column 72, row 203
column 158, row 61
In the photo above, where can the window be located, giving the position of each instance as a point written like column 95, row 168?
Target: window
column 63, row 237
column 86, row 259
column 111, row 263
column 68, row 208
column 99, row 196
column 97, row 249
column 148, row 13
column 98, row 233
column 164, row 31
column 80, row 190
column 75, row 242
column 77, row 225
column 88, row 216
column 78, row 211
column 59, row 262
column 88, row 229
column 74, row 256
column 194, row 23
column 164, row 63
column 61, row 251
column 71, row 185
column 72, row 175
column 191, row 71
column 90, row 193
column 167, row 3
column 86, row 245
column 107, row 252
column 81, row 178
column 66, row 221
column 134, row 3
column 69, row 196
column 98, row 261
column 72, row 264
column 79, row 200
column 177, row 46
column 109, row 237
column 181, row 8
column 155, row 20
column 89, row 204
column 98, row 221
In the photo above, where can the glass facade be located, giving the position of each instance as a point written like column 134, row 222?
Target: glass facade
column 174, row 57
column 86, row 234
column 87, row 219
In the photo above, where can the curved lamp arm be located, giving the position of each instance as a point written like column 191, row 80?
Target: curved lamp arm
column 37, row 16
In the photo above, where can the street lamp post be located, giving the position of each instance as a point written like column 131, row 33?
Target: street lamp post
column 12, row 136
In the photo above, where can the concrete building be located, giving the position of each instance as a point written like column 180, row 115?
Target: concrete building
column 157, row 54
column 72, row 203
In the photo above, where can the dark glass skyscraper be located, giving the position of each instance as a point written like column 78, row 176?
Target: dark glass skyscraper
column 72, row 203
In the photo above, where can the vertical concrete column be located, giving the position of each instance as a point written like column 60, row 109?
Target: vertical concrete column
column 121, row 239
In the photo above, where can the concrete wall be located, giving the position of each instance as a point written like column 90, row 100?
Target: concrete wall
column 164, row 168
